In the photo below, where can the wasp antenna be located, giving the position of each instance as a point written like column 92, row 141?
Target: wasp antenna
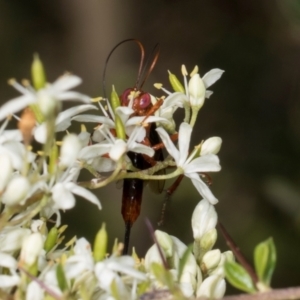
column 110, row 54
column 147, row 70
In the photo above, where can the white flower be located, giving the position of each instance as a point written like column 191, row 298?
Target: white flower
column 80, row 261
column 130, row 123
column 112, row 269
column 195, row 93
column 191, row 166
column 46, row 98
column 115, row 147
column 63, row 195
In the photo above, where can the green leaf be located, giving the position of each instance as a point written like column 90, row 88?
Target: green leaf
column 265, row 260
column 238, row 277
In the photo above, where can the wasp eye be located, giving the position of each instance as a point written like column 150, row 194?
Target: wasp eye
column 144, row 100
column 125, row 97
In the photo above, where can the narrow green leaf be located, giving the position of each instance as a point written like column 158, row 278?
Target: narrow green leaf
column 265, row 260
column 238, row 277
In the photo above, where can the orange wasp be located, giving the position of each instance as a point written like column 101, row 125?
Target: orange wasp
column 142, row 106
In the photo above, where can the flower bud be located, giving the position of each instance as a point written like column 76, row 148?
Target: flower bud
column 51, row 239
column 213, row 287
column 69, row 150
column 165, row 242
column 205, row 244
column 115, row 103
column 175, row 83
column 38, row 73
column 6, row 170
column 211, row 146
column 225, row 256
column 197, row 90
column 210, row 260
column 152, row 256
column 48, row 105
column 188, row 284
column 100, row 244
column 31, row 248
column 16, row 191
column 204, row 219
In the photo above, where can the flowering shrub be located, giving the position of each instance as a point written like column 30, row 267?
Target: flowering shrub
column 36, row 185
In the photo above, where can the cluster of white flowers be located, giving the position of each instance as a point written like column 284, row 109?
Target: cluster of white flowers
column 202, row 273
column 36, row 185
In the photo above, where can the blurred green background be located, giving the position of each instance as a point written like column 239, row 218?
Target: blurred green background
column 255, row 107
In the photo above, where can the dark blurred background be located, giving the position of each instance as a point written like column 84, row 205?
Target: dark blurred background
column 255, row 107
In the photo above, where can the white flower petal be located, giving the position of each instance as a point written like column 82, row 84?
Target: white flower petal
column 84, row 193
column 140, row 148
column 7, row 261
column 74, row 96
column 208, row 94
column 69, row 150
column 117, row 150
column 15, row 105
column 203, row 189
column 11, row 238
column 94, row 119
column 11, row 135
column 93, row 151
column 206, row 163
column 34, row 291
column 66, row 82
column 62, row 197
column 175, row 100
column 63, row 120
column 103, row 164
column 124, row 112
column 184, row 138
column 168, row 143
column 9, row 281
column 40, row 133
column 212, row 76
